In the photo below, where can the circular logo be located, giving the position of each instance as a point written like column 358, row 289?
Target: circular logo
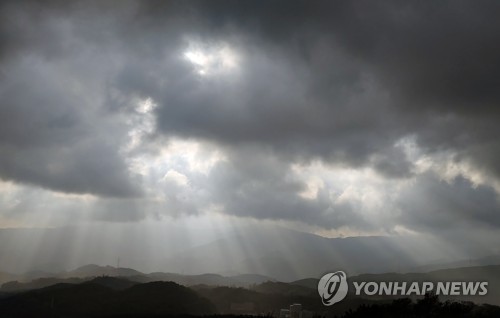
column 332, row 288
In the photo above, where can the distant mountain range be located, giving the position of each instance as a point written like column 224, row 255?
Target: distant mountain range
column 481, row 261
column 258, row 283
column 283, row 254
column 103, row 296
column 290, row 255
column 88, row 272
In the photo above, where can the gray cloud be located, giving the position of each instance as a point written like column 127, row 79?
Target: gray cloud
column 53, row 131
column 339, row 82
column 52, row 135
column 432, row 204
column 253, row 184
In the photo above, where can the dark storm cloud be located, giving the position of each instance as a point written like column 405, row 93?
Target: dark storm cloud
column 47, row 137
column 432, row 204
column 254, row 184
column 345, row 81
column 52, row 130
column 342, row 82
column 434, row 52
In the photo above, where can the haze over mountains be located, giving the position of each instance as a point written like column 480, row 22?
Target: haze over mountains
column 87, row 272
column 269, row 267
column 126, row 291
column 282, row 254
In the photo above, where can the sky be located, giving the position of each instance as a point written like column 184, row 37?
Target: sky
column 338, row 118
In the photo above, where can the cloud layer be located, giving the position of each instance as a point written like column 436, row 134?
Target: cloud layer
column 359, row 116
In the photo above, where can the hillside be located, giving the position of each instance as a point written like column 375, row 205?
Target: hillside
column 6, row 277
column 95, row 299
column 113, row 296
column 88, row 272
column 96, row 270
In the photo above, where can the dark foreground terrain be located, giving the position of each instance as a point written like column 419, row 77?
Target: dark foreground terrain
column 119, row 297
column 428, row 307
column 101, row 298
